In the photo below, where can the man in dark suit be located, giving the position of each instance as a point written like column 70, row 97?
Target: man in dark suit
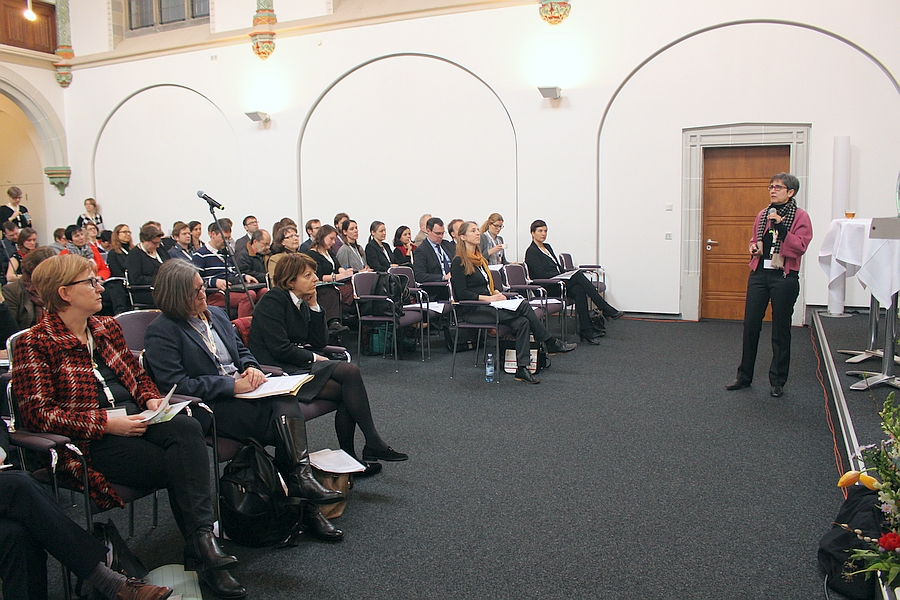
column 251, row 224
column 431, row 261
column 32, row 524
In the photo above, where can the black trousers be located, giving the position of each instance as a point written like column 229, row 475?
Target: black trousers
column 522, row 321
column 579, row 288
column 169, row 455
column 31, row 524
column 764, row 286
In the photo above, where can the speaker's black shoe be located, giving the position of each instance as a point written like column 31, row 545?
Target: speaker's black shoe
column 523, row 374
column 777, row 391
column 737, row 384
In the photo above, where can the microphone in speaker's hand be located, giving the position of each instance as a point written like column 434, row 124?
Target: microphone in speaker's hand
column 210, row 201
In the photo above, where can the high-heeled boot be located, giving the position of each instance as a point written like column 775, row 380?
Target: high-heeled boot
column 292, row 459
column 202, row 551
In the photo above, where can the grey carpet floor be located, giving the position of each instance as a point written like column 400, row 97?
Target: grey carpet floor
column 629, row 472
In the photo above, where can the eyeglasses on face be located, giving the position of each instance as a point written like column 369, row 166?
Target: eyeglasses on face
column 498, row 225
column 776, row 188
column 94, row 281
column 199, row 290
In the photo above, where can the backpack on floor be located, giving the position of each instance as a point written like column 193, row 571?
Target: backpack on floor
column 254, row 500
column 859, row 511
column 465, row 342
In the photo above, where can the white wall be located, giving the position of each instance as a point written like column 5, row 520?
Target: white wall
column 766, row 73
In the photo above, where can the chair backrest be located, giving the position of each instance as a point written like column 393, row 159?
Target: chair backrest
column 363, row 282
column 242, row 325
column 515, row 274
column 403, row 270
column 567, row 263
column 134, row 323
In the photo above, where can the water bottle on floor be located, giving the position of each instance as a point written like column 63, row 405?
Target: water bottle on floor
column 489, row 368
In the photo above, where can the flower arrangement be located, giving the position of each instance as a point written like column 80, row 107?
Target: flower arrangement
column 884, row 460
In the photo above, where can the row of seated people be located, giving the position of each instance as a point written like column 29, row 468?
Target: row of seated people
column 71, row 367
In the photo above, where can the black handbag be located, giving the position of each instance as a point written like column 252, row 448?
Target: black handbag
column 254, row 500
column 394, row 287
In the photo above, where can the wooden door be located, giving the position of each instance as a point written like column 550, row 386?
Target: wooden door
column 734, row 191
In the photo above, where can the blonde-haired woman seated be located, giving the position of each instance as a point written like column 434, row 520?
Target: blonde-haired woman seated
column 471, row 279
column 291, row 318
column 71, row 370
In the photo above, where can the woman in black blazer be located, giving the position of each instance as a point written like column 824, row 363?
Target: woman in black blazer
column 144, row 261
column 471, row 279
column 197, row 348
column 543, row 264
column 403, row 247
column 288, row 317
column 329, row 270
column 379, row 255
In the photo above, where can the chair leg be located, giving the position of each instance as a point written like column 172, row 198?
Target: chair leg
column 155, row 509
column 130, row 520
column 455, row 341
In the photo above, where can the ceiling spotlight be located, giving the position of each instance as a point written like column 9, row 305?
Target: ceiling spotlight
column 550, row 92
column 259, row 117
column 29, row 14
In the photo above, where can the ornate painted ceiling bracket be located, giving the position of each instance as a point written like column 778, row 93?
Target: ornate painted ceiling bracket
column 554, row 12
column 263, row 21
column 63, row 46
column 59, row 177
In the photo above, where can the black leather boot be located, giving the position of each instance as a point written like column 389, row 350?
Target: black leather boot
column 321, row 528
column 202, row 551
column 222, row 583
column 292, row 459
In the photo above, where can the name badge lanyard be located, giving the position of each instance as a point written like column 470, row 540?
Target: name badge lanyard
column 207, row 337
column 97, row 373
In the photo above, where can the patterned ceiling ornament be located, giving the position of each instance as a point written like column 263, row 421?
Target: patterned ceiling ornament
column 59, row 177
column 554, row 12
column 262, row 36
column 63, row 44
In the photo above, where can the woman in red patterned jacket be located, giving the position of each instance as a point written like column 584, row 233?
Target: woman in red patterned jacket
column 71, row 370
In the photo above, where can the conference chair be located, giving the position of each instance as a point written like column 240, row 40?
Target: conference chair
column 362, row 286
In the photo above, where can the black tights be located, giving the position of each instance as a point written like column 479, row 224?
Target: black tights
column 346, row 387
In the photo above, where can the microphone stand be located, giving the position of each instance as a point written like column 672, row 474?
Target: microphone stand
column 228, row 252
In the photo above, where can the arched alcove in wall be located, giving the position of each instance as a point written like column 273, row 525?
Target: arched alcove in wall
column 391, row 139
column 157, row 148
column 760, row 72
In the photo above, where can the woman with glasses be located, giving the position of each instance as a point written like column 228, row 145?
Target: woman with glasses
column 288, row 318
column 781, row 235
column 492, row 245
column 75, row 376
column 117, row 261
column 196, row 347
column 286, row 241
column 144, row 261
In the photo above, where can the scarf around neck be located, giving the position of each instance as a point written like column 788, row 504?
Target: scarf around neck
column 478, row 260
column 786, row 211
column 84, row 251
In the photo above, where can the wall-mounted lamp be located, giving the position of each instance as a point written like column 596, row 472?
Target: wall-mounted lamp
column 259, row 117
column 29, row 14
column 550, row 92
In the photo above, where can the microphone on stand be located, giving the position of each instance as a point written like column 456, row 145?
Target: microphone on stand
column 210, row 201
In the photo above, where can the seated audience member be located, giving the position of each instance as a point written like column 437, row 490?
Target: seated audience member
column 286, row 241
column 227, row 226
column 351, row 255
column 250, row 224
column 288, row 317
column 53, row 374
column 13, row 210
column 169, row 241
column 144, row 261
column 117, row 260
column 90, row 215
column 338, row 222
column 423, row 231
column 25, row 304
column 543, row 264
column 7, row 246
column 403, row 246
column 32, row 524
column 196, row 235
column 182, row 249
column 284, row 222
column 92, row 235
column 105, row 241
column 452, row 226
column 472, row 280
column 196, row 347
column 218, row 274
column 77, row 245
column 379, row 255
column 252, row 257
column 492, row 245
column 312, row 226
column 431, row 260
column 26, row 243
column 329, row 270
column 59, row 240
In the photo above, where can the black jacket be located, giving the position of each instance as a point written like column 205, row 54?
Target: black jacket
column 375, row 257
column 278, row 326
column 142, row 270
column 541, row 266
column 255, row 265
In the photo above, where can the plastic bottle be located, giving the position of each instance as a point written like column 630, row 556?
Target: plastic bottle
column 489, row 368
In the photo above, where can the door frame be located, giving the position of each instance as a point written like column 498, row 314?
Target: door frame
column 695, row 139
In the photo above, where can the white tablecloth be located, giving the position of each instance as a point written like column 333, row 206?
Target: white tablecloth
column 847, row 250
